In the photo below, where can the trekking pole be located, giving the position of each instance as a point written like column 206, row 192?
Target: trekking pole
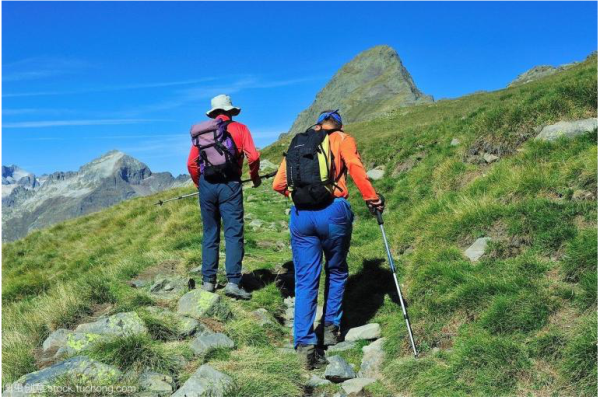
column 393, row 268
column 161, row 202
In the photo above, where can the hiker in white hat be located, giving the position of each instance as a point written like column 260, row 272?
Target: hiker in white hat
column 222, row 102
column 215, row 165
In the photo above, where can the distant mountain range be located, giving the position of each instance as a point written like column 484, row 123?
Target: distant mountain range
column 30, row 202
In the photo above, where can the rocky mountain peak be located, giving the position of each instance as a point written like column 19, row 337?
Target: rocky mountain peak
column 372, row 83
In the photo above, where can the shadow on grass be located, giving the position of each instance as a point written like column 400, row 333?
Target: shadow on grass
column 283, row 278
column 365, row 293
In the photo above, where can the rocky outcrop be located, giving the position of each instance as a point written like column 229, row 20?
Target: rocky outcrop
column 81, row 367
column 373, row 83
column 29, row 203
column 205, row 382
column 567, row 129
column 200, row 303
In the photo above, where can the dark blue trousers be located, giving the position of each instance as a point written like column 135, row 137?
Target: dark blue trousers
column 222, row 201
column 313, row 233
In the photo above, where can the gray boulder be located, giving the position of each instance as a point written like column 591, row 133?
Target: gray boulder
column 477, row 249
column 568, row 129
column 57, row 339
column 81, row 366
column 490, row 158
column 354, row 387
column 372, row 360
column 199, row 303
column 366, row 332
column 375, row 174
column 169, row 287
column 341, row 346
column 204, row 343
column 338, row 370
column 184, row 326
column 154, row 384
column 263, row 317
column 316, row 381
column 122, row 324
column 205, row 382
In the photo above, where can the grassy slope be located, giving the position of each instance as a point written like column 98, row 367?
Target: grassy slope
column 521, row 321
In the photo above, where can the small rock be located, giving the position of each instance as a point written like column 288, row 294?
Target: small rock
column 342, row 346
column 354, row 387
column 288, row 211
column 266, row 165
column 199, row 303
column 338, row 370
column 255, row 224
column 376, row 174
column 209, row 341
column 196, row 270
column 583, row 195
column 58, row 338
column 367, row 332
column 315, row 381
column 477, row 249
column 455, row 142
column 490, row 158
column 138, row 283
column 372, row 360
column 81, row 366
column 154, row 384
column 205, row 382
column 169, row 287
column 122, row 324
column 289, row 301
column 568, row 129
column 263, row 317
column 185, row 326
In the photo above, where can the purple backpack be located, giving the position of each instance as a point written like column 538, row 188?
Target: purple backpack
column 218, row 159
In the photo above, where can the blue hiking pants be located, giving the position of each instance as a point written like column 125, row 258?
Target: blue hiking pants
column 222, row 200
column 313, row 233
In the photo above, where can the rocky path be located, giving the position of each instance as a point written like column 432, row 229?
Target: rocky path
column 189, row 313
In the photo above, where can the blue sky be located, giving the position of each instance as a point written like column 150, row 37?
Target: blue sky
column 80, row 79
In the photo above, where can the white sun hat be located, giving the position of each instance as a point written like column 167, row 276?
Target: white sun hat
column 222, row 102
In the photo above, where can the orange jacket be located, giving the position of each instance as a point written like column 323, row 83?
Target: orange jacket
column 343, row 147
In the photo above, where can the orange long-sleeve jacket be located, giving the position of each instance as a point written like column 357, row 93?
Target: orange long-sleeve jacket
column 345, row 153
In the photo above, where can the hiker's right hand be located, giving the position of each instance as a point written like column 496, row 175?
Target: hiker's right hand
column 257, row 181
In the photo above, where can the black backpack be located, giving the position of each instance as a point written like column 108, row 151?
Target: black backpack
column 309, row 170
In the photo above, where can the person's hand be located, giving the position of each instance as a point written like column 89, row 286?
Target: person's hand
column 376, row 205
column 257, row 181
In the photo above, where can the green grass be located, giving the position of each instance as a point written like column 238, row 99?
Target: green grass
column 521, row 321
column 136, row 353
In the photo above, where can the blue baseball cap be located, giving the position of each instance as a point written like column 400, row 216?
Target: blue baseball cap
column 330, row 114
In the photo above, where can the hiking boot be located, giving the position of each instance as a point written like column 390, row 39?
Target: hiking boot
column 331, row 335
column 209, row 286
column 234, row 290
column 309, row 357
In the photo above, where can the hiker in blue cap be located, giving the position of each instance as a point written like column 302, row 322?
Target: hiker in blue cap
column 313, row 174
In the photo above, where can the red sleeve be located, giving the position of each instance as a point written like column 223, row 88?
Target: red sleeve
column 251, row 153
column 192, row 165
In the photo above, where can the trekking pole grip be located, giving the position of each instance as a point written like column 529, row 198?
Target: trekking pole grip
column 379, row 217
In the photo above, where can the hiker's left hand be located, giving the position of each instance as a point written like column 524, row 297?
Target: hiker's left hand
column 376, row 205
column 257, row 181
